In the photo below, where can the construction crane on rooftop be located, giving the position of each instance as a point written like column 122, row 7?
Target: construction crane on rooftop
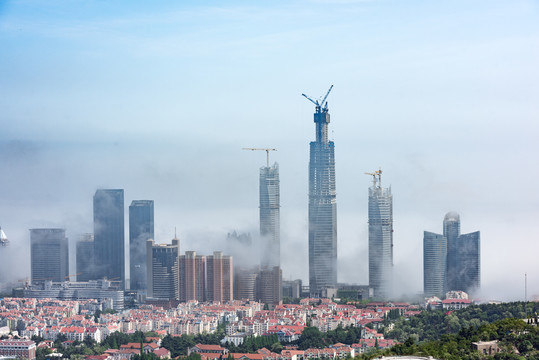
column 320, row 105
column 267, row 150
column 374, row 175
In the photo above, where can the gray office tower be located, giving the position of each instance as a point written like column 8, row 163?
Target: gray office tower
column 85, row 258
column 434, row 264
column 49, row 255
column 270, row 216
column 109, row 238
column 141, row 229
column 463, row 261
column 380, row 239
column 163, row 263
column 322, row 205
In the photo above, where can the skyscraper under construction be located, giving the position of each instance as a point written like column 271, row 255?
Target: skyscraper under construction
column 380, row 238
column 322, row 204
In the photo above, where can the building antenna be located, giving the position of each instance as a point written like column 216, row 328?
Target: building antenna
column 267, row 150
column 526, row 287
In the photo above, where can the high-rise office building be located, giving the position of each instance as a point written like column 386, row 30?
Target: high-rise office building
column 162, row 262
column 463, row 258
column 109, row 235
column 192, row 277
column 380, row 238
column 85, row 258
column 434, row 264
column 322, row 205
column 141, row 229
column 219, row 278
column 49, row 254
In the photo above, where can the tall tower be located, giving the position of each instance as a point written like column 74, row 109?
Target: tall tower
column 109, row 237
column 49, row 254
column 380, row 238
column 163, row 269
column 434, row 264
column 451, row 233
column 322, row 204
column 141, row 229
column 270, row 230
column 468, row 277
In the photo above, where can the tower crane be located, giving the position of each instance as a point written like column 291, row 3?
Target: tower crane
column 267, row 150
column 320, row 105
column 374, row 175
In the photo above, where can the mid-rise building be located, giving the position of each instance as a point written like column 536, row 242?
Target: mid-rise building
column 245, row 282
column 192, row 277
column 380, row 238
column 163, row 262
column 85, row 258
column 434, row 264
column 49, row 253
column 322, row 205
column 18, row 349
column 292, row 288
column 141, row 229
column 3, row 238
column 220, row 278
column 270, row 286
column 109, row 234
column 102, row 290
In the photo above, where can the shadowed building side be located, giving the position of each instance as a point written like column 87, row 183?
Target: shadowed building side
column 85, row 258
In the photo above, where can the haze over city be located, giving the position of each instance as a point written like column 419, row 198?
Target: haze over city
column 159, row 99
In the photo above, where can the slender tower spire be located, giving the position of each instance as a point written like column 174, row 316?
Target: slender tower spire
column 322, row 204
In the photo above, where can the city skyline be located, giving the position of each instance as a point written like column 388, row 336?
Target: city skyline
column 159, row 100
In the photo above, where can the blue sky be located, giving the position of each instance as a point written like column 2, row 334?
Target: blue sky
column 159, row 98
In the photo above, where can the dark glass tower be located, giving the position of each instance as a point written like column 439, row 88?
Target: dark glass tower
column 109, row 238
column 49, row 254
column 141, row 229
column 322, row 205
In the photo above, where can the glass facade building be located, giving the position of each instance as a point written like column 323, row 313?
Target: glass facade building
column 141, row 229
column 49, row 254
column 163, row 261
column 109, row 235
column 434, row 264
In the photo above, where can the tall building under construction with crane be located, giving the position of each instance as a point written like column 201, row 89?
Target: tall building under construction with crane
column 322, row 204
column 380, row 238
